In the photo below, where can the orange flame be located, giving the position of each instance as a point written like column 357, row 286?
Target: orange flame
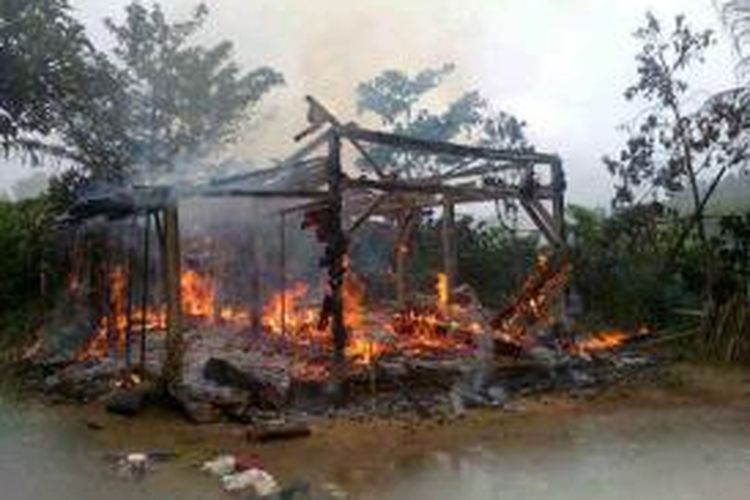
column 291, row 319
column 441, row 289
column 198, row 295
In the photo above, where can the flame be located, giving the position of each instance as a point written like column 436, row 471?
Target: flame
column 441, row 289
column 291, row 321
column 286, row 313
column 601, row 341
column 198, row 295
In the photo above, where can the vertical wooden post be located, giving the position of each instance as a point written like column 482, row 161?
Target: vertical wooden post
column 282, row 270
column 405, row 222
column 172, row 370
column 558, row 200
column 558, row 217
column 401, row 256
column 130, row 297
column 256, row 301
column 336, row 253
column 145, row 289
column 450, row 253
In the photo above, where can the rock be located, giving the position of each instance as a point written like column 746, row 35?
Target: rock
column 497, row 395
column 223, row 372
column 253, row 381
column 201, row 412
column 275, row 431
column 128, row 402
column 94, row 426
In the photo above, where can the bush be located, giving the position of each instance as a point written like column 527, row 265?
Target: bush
column 26, row 280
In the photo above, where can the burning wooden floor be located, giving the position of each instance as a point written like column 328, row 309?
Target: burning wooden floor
column 434, row 357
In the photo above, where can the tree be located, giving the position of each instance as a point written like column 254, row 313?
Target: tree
column 672, row 146
column 45, row 62
column 394, row 98
column 184, row 100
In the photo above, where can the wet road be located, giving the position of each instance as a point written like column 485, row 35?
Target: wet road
column 660, row 453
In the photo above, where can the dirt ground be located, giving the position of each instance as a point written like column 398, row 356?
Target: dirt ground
column 352, row 453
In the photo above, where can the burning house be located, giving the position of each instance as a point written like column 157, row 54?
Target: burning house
column 266, row 305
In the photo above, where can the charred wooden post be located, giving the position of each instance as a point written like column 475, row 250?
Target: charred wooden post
column 256, row 299
column 558, row 201
column 450, row 251
column 130, row 292
column 172, row 370
column 145, row 289
column 405, row 222
column 401, row 256
column 282, row 270
column 335, row 254
column 558, row 221
column 108, row 269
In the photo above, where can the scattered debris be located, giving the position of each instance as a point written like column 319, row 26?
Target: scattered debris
column 278, row 430
column 261, row 481
column 220, row 466
column 243, row 471
column 128, row 402
column 135, row 465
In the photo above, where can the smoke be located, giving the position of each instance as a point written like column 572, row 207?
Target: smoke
column 325, row 48
column 561, row 65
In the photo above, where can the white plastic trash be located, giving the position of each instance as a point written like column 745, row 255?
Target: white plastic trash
column 220, row 466
column 263, row 482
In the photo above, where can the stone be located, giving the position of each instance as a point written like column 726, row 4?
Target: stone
column 128, row 402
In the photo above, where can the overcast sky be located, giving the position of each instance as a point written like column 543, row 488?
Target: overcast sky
column 561, row 65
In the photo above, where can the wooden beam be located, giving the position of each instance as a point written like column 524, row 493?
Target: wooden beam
column 260, row 193
column 544, row 214
column 483, row 170
column 444, row 148
column 372, row 209
column 488, row 193
column 322, row 113
column 292, row 160
column 540, row 223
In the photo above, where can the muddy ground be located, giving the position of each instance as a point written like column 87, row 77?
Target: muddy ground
column 376, row 458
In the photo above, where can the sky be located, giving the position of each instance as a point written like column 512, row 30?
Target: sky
column 560, row 65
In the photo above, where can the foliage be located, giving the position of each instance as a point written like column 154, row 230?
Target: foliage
column 395, row 99
column 50, row 73
column 726, row 325
column 36, row 38
column 491, row 259
column 617, row 267
column 670, row 146
column 25, row 274
column 159, row 98
column 184, row 100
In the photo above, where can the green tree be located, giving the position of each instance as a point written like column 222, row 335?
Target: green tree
column 671, row 146
column 46, row 66
column 184, row 100
column 396, row 99
column 616, row 262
